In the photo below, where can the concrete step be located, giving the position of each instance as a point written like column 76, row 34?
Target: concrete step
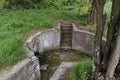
column 66, row 36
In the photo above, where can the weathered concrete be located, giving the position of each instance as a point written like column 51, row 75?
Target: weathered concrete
column 27, row 69
column 44, row 41
column 62, row 69
column 50, row 39
column 83, row 42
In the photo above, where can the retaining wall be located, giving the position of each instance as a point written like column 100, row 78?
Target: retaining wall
column 27, row 69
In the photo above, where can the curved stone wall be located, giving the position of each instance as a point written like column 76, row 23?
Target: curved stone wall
column 50, row 39
column 43, row 41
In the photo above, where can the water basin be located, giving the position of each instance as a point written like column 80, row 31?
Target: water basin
column 54, row 58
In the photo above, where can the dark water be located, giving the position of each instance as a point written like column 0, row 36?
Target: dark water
column 54, row 58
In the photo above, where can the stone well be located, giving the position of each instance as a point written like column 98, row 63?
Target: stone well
column 64, row 36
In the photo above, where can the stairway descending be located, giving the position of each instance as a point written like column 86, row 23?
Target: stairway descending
column 66, row 36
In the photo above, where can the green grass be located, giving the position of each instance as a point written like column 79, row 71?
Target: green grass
column 81, row 71
column 15, row 25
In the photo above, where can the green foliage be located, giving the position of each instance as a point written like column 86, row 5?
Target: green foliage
column 21, row 3
column 2, row 3
column 42, row 4
column 81, row 71
column 107, row 10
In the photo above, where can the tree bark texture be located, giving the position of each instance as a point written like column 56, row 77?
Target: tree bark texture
column 99, row 31
column 114, row 60
column 111, row 57
column 112, row 29
column 100, row 22
column 112, row 48
column 91, row 13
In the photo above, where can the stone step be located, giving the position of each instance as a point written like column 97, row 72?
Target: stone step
column 66, row 36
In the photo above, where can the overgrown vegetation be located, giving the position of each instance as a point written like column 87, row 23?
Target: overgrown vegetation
column 19, row 17
column 16, row 24
column 81, row 71
column 42, row 4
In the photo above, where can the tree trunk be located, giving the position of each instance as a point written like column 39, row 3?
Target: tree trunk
column 113, row 44
column 100, row 21
column 114, row 60
column 111, row 53
column 91, row 13
column 112, row 29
